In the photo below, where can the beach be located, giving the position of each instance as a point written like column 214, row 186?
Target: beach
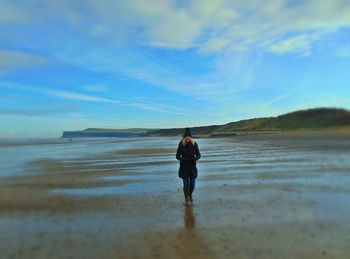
column 266, row 196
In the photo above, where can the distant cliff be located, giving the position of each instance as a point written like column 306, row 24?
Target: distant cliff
column 107, row 133
column 311, row 119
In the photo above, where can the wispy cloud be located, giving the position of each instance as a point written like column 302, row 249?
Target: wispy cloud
column 35, row 112
column 344, row 51
column 284, row 95
column 14, row 59
column 158, row 107
column 76, row 96
column 90, row 98
column 227, row 75
column 12, row 13
column 95, row 88
column 299, row 44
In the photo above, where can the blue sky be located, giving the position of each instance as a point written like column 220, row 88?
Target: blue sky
column 69, row 65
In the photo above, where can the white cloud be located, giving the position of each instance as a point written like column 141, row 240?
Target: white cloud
column 209, row 26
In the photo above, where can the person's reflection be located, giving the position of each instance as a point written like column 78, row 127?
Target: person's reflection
column 191, row 245
column 189, row 219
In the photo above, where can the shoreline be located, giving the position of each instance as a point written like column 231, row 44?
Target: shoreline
column 338, row 132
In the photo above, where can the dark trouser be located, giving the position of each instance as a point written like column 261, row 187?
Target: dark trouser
column 189, row 184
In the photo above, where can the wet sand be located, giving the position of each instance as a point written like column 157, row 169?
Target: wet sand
column 256, row 197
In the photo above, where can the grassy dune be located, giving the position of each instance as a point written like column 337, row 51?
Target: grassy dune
column 319, row 119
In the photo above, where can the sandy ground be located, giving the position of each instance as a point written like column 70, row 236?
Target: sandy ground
column 243, row 218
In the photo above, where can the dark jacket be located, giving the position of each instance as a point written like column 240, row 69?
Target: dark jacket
column 188, row 154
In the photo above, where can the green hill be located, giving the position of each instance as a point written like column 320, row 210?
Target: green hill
column 311, row 119
column 319, row 118
column 202, row 130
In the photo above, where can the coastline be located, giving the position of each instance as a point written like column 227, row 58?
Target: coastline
column 335, row 131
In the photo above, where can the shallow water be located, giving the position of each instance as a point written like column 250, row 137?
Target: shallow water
column 232, row 161
column 17, row 156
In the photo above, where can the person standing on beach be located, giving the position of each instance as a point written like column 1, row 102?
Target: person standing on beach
column 188, row 154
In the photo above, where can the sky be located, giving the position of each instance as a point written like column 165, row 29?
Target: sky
column 71, row 65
